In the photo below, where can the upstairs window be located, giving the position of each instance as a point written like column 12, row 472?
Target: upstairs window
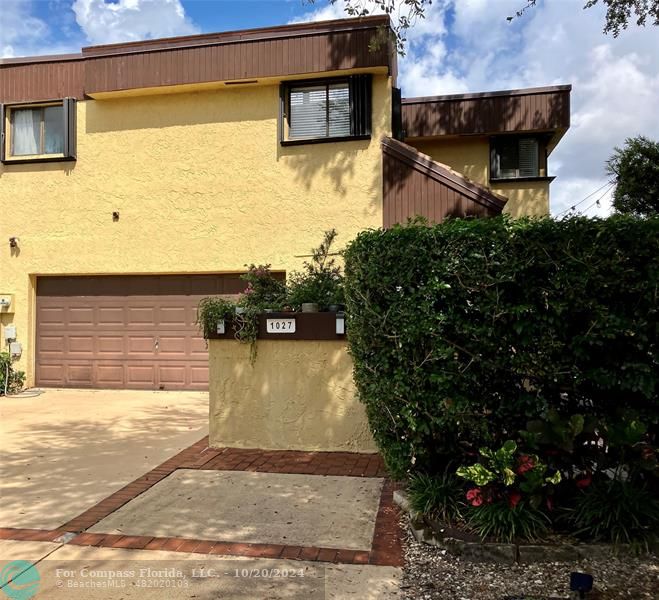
column 515, row 157
column 329, row 110
column 39, row 131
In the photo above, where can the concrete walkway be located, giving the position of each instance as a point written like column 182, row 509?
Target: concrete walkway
column 70, row 572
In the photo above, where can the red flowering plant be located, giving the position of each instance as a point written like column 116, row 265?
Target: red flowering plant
column 508, row 475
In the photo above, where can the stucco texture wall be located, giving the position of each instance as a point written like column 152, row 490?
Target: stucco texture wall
column 298, row 395
column 471, row 157
column 201, row 184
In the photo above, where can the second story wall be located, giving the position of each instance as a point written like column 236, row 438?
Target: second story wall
column 200, row 183
column 471, row 157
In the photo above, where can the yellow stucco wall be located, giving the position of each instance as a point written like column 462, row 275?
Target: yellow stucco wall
column 298, row 395
column 202, row 186
column 471, row 157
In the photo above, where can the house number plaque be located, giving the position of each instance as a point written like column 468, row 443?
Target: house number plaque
column 280, row 325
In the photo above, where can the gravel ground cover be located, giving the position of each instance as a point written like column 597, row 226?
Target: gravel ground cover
column 430, row 573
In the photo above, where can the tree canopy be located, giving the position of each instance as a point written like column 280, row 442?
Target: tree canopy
column 635, row 171
column 405, row 13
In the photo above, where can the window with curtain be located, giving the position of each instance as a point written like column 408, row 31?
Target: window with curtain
column 514, row 157
column 327, row 109
column 37, row 131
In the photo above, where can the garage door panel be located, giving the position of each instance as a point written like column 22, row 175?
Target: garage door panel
column 81, row 345
column 141, row 346
column 80, row 315
column 53, row 316
column 198, row 347
column 172, row 375
column 81, row 375
column 51, row 374
column 110, row 375
column 110, row 346
column 101, row 331
column 141, row 374
column 111, row 315
column 173, row 315
column 173, row 346
column 52, row 345
column 141, row 315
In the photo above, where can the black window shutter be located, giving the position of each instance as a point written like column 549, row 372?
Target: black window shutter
column 397, row 115
column 360, row 104
column 3, row 137
column 70, row 129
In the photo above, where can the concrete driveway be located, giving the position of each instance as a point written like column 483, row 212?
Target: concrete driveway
column 114, row 494
column 65, row 450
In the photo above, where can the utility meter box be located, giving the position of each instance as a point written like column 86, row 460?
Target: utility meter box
column 6, row 303
column 10, row 332
column 15, row 349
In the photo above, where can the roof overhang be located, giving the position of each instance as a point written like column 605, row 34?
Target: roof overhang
column 271, row 53
column 530, row 110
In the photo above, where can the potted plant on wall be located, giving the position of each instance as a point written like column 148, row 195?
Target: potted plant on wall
column 213, row 315
column 319, row 285
column 264, row 293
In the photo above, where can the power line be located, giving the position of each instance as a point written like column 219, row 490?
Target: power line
column 597, row 202
column 608, row 184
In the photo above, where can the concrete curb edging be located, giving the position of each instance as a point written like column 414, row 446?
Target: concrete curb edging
column 504, row 553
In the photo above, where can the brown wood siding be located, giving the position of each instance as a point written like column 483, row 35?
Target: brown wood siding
column 311, row 48
column 540, row 109
column 41, row 81
column 234, row 61
column 414, row 185
column 134, row 332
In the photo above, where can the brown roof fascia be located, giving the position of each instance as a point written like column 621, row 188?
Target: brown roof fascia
column 245, row 35
column 475, row 95
column 212, row 39
column 442, row 174
column 28, row 60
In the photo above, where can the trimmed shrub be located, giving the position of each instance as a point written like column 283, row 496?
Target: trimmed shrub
column 466, row 333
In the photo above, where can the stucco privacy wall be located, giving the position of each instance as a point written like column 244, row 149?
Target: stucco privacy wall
column 471, row 157
column 298, row 395
column 201, row 184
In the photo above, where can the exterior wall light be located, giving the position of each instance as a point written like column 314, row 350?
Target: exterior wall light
column 340, row 323
column 13, row 242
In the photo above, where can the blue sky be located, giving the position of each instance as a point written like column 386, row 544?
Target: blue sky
column 462, row 45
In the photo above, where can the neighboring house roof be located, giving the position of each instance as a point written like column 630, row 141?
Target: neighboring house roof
column 414, row 184
column 284, row 51
column 543, row 109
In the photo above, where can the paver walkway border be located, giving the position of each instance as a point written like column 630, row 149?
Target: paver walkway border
column 386, row 548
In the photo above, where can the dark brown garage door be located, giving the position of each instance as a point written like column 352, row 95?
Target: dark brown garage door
column 135, row 332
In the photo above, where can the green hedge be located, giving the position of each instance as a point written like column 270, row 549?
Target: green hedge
column 463, row 333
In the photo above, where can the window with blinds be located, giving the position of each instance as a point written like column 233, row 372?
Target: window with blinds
column 327, row 110
column 514, row 157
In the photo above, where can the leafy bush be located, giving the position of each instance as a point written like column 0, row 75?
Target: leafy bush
column 506, row 523
column 465, row 333
column 320, row 281
column 616, row 511
column 438, row 496
column 13, row 380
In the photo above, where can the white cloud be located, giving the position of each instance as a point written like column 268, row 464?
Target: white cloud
column 468, row 45
column 127, row 20
column 24, row 34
